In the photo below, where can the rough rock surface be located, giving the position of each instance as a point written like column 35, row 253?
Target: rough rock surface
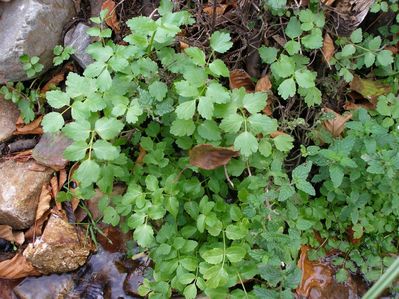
column 31, row 27
column 8, row 117
column 50, row 150
column 20, row 187
column 61, row 248
column 78, row 39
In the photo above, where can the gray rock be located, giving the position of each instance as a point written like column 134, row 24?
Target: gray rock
column 62, row 247
column 50, row 150
column 32, row 27
column 20, row 187
column 8, row 117
column 78, row 39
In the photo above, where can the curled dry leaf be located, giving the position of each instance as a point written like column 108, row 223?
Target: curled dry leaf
column 54, row 186
column 328, row 48
column 33, row 128
column 240, row 78
column 208, row 157
column 141, row 156
column 264, row 84
column 337, row 125
column 111, row 19
column 370, row 89
column 44, row 202
column 7, row 233
column 314, row 274
column 219, row 10
column 17, row 267
column 62, row 178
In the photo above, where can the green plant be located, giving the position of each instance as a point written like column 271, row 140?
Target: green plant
column 62, row 54
column 31, row 65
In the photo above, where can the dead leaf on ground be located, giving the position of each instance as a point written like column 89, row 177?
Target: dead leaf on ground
column 280, row 40
column 57, row 78
column 314, row 274
column 37, row 228
column 62, row 179
column 22, row 156
column 33, row 128
column 328, row 48
column 208, row 157
column 219, row 10
column 354, row 106
column 54, row 186
column 141, row 156
column 111, row 19
column 44, row 202
column 240, row 78
column 17, row 267
column 277, row 133
column 264, row 84
column 183, row 46
column 393, row 49
column 370, row 89
column 337, row 125
column 7, row 233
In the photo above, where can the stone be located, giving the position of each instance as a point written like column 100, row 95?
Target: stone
column 31, row 27
column 8, row 117
column 20, row 188
column 45, row 287
column 50, row 150
column 78, row 39
column 62, row 247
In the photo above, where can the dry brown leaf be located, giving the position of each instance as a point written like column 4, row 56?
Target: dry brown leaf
column 7, row 234
column 354, row 106
column 22, row 156
column 33, row 128
column 314, row 274
column 277, row 133
column 240, row 78
column 219, row 10
column 62, row 179
column 263, row 84
column 393, row 49
column 54, row 186
column 44, row 202
column 370, row 89
column 17, row 267
column 279, row 39
column 337, row 125
column 328, row 48
column 183, row 46
column 208, row 157
column 111, row 19
column 140, row 157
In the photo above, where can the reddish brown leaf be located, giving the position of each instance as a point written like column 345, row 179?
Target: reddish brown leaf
column 7, row 234
column 33, row 128
column 337, row 125
column 328, row 48
column 277, row 133
column 183, row 46
column 141, row 156
column 62, row 179
column 263, row 84
column 208, row 157
column 220, row 9
column 44, row 202
column 111, row 19
column 370, row 89
column 240, row 78
column 393, row 49
column 17, row 267
column 354, row 106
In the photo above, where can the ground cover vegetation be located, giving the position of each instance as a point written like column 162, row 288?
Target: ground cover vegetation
column 226, row 182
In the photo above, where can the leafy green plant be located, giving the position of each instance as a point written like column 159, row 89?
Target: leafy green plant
column 31, row 65
column 62, row 54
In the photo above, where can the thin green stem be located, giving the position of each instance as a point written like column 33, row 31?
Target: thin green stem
column 93, row 134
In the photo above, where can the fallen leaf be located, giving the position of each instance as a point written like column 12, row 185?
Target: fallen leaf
column 328, row 48
column 111, row 19
column 37, row 228
column 62, row 179
column 57, row 78
column 183, row 46
column 54, row 186
column 277, row 133
column 219, row 10
column 393, row 49
column 370, row 89
column 22, row 156
column 337, row 125
column 7, row 233
column 263, row 84
column 44, row 202
column 314, row 274
column 350, row 232
column 354, row 106
column 208, row 157
column 33, row 128
column 279, row 39
column 141, row 156
column 17, row 267
column 240, row 78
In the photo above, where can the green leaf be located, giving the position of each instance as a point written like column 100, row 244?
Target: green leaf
column 133, row 112
column 305, row 78
column 209, row 130
column 246, row 143
column 314, row 40
column 301, row 172
column 136, row 220
column 108, row 128
column 292, row 47
column 293, row 29
column 190, row 291
column 186, row 110
column 305, row 187
column 286, row 191
column 105, row 150
column 336, row 175
column 375, row 43
column 348, row 50
column 268, row 54
column 261, row 123
column 385, row 57
column 283, row 142
column 312, row 96
column 220, row 42
column 232, row 123
column 76, row 151
column 182, row 127
column 158, row 90
column 303, row 224
column 78, row 130
column 265, row 148
column 255, row 102
column 357, row 36
column 57, row 99
column 186, row 89
column 144, row 235
column 236, row 232
column 196, row 55
column 213, row 256
column 205, row 107
column 218, row 93
column 284, row 67
column 287, row 88
column 235, row 253
column 218, row 68
column 52, row 122
column 87, row 173
column 369, row 59
column 111, row 216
